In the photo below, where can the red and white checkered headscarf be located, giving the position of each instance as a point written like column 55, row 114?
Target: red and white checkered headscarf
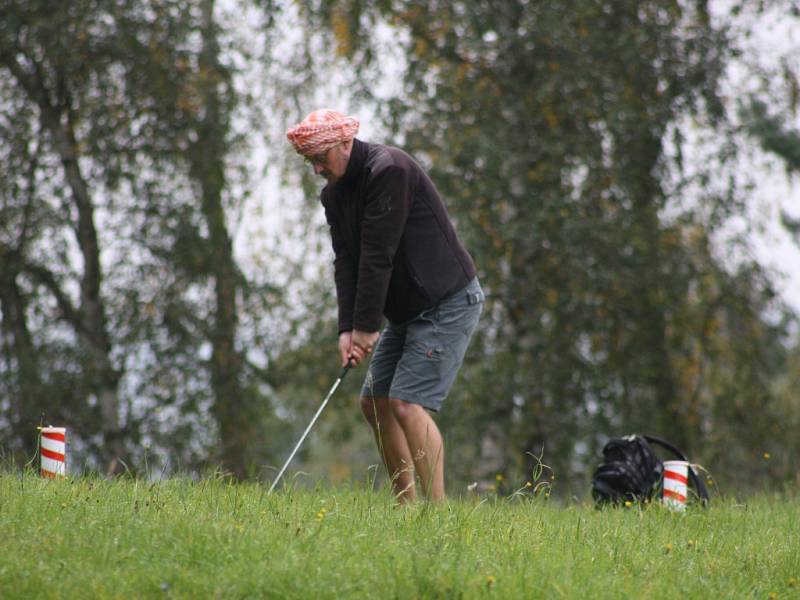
column 322, row 130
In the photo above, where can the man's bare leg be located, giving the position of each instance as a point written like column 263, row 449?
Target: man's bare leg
column 392, row 445
column 425, row 443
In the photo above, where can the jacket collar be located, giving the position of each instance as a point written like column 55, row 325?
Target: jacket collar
column 358, row 157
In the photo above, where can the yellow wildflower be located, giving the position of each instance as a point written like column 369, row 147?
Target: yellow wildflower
column 490, row 580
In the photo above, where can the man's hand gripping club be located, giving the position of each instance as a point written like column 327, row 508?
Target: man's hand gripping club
column 355, row 345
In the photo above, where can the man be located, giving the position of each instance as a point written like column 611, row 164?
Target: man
column 396, row 255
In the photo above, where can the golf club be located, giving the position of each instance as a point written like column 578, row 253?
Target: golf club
column 310, row 425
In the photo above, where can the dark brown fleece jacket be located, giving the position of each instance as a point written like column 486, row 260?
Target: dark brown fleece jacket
column 396, row 251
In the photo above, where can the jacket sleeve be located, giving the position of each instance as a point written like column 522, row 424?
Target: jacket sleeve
column 387, row 203
column 345, row 266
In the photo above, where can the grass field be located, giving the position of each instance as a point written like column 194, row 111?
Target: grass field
column 92, row 538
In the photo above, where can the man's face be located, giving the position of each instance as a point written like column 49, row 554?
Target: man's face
column 332, row 164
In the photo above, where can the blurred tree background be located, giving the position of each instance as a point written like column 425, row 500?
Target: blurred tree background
column 594, row 155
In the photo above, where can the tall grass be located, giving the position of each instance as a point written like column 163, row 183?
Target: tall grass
column 87, row 537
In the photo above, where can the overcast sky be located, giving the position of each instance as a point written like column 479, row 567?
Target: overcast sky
column 775, row 43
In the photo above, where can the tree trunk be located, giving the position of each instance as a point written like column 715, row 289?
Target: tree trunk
column 652, row 294
column 230, row 408
column 89, row 320
column 26, row 404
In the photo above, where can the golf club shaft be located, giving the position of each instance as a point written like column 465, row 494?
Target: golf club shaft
column 310, row 425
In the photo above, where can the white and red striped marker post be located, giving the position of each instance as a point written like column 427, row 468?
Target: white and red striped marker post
column 53, row 451
column 676, row 477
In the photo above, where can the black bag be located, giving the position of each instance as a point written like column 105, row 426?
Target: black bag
column 631, row 471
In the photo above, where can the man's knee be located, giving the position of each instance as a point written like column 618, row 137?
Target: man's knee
column 404, row 411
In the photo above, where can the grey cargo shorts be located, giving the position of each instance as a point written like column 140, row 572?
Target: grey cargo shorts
column 418, row 361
